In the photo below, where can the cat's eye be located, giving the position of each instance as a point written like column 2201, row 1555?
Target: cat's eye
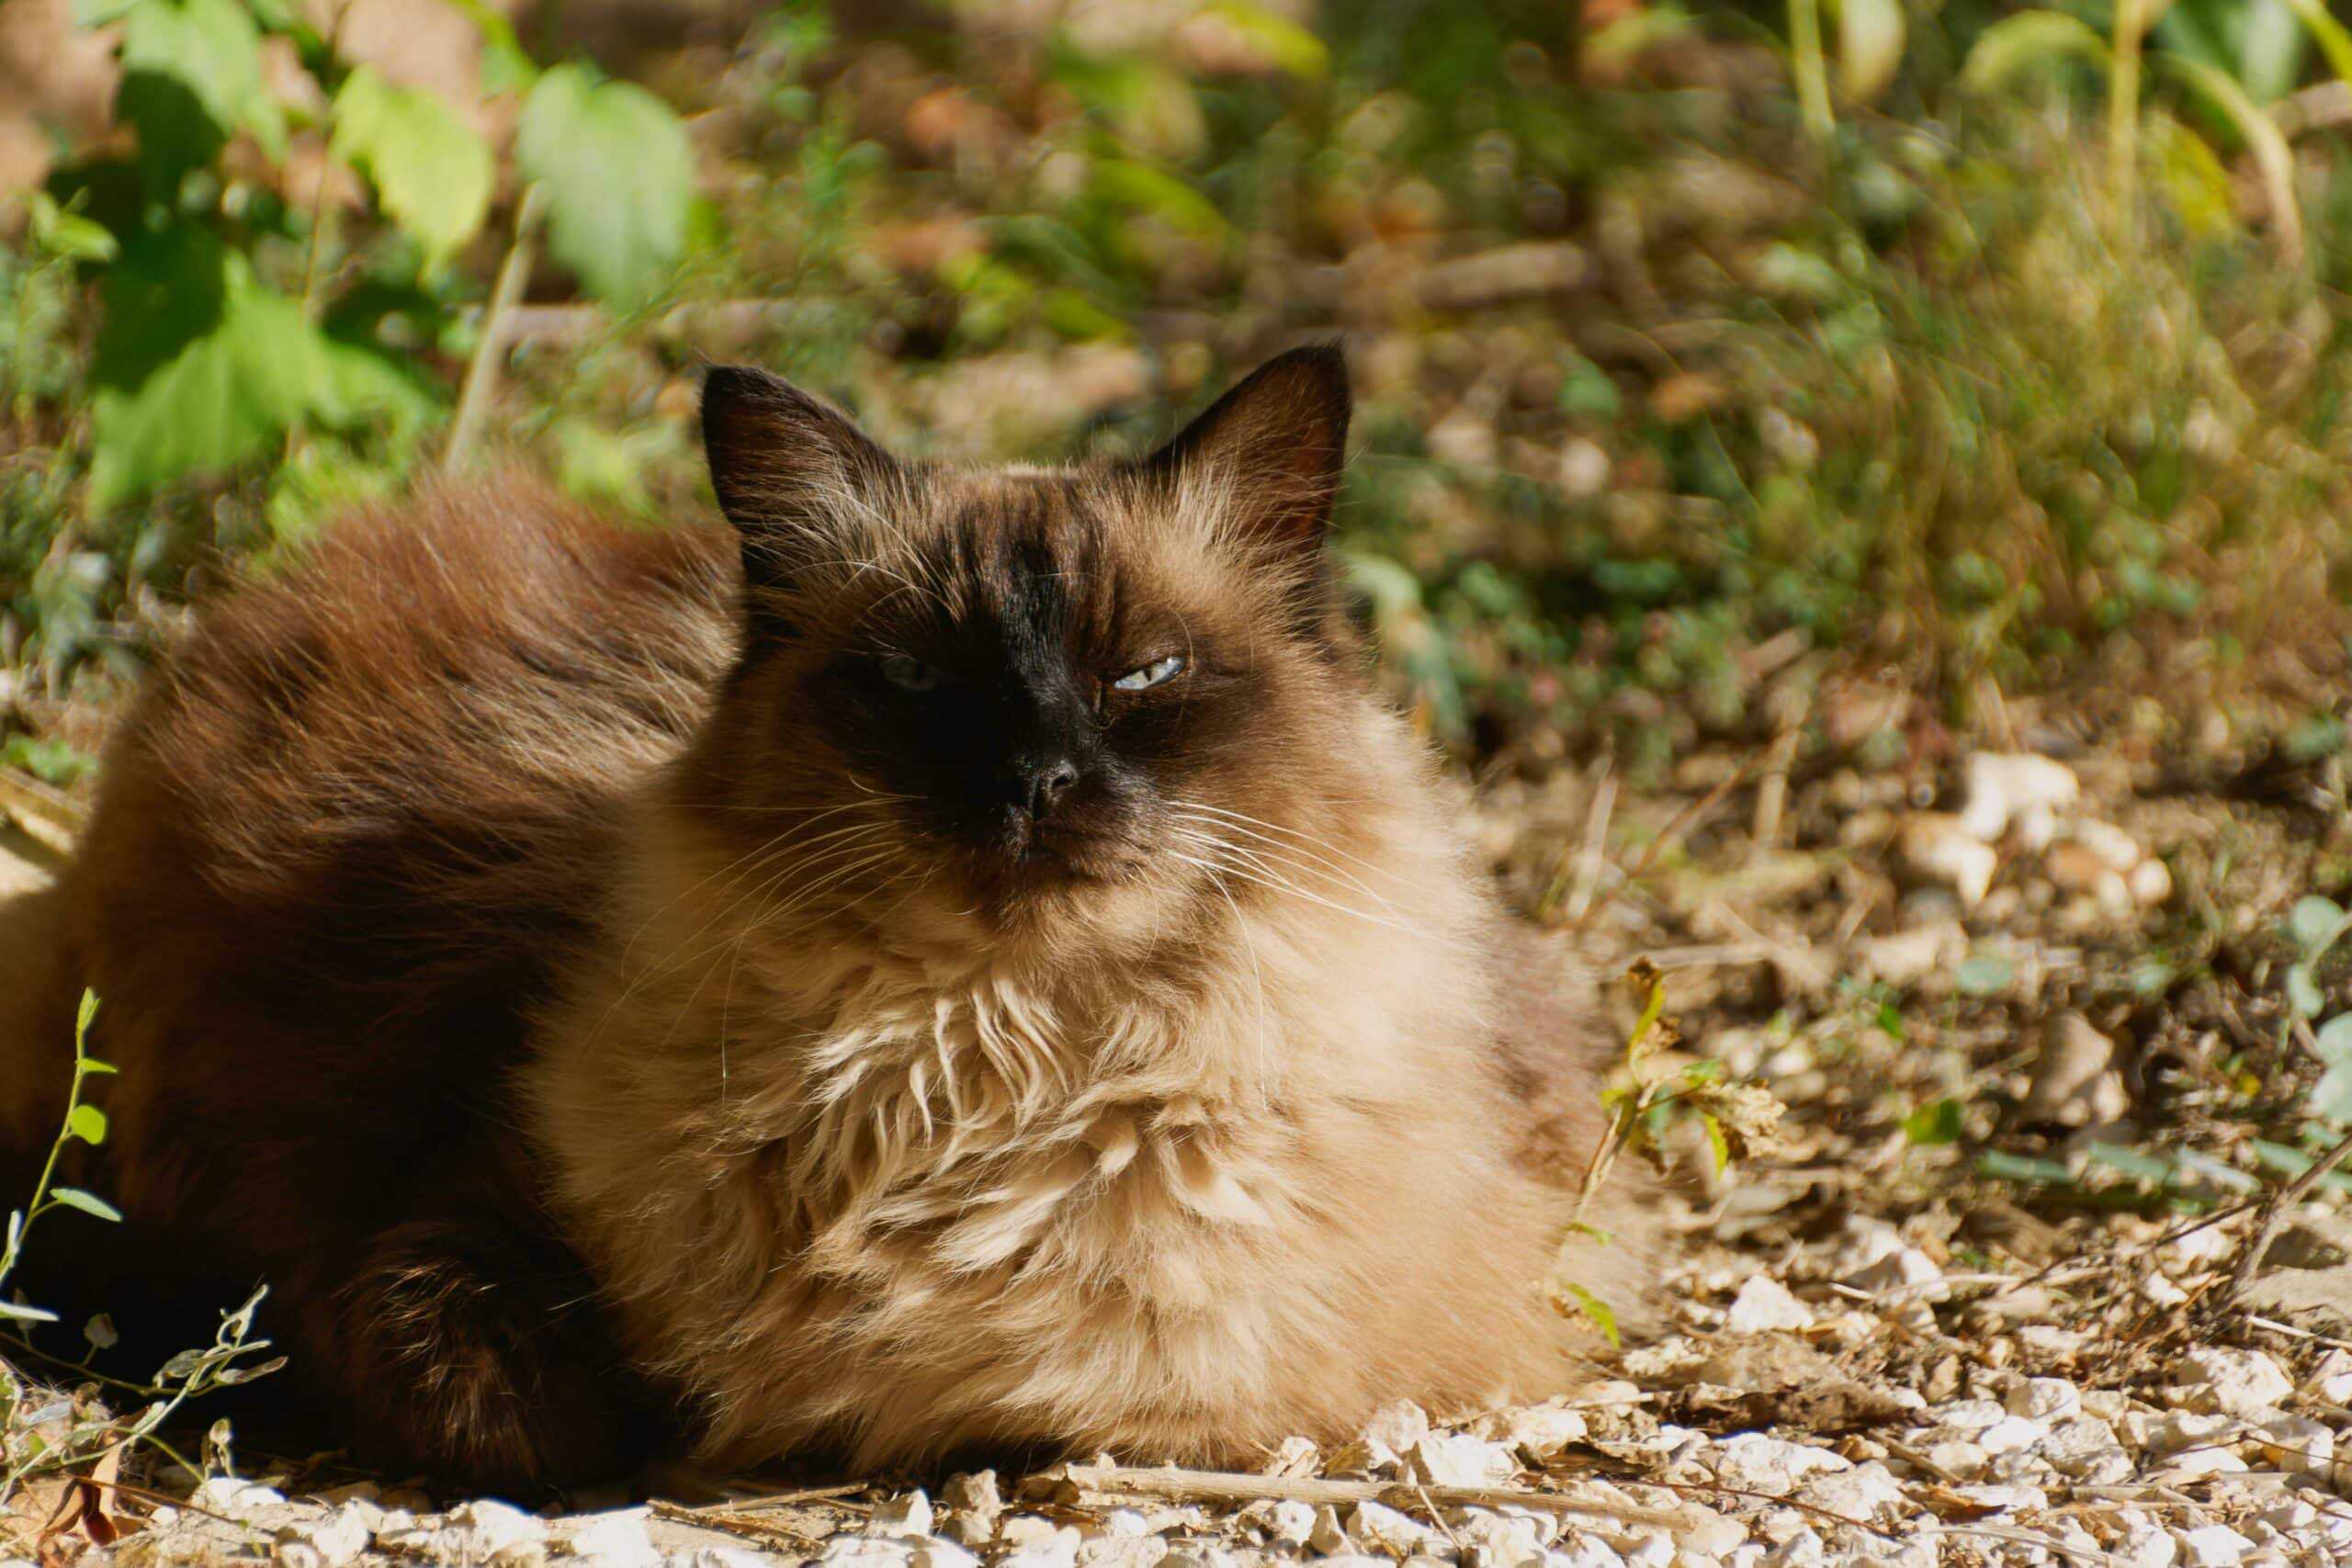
column 1157, row 673
column 910, row 673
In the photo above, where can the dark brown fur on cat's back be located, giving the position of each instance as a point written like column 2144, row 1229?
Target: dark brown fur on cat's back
column 342, row 842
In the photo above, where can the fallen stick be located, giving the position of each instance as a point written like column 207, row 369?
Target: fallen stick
column 49, row 817
column 1082, row 1484
column 767, row 1533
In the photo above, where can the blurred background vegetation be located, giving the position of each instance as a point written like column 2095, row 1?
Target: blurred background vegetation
column 1970, row 350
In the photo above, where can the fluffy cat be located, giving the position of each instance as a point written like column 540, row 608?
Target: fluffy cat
column 974, row 965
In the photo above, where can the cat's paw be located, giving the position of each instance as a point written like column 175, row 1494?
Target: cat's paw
column 483, row 1363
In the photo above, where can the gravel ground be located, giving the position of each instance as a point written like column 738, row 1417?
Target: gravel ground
column 1978, row 1304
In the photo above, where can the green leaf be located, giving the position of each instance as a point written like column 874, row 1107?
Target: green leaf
column 2152, row 1169
column 2273, row 159
column 1984, row 975
column 2315, row 922
column 96, row 1068
column 2333, row 39
column 1140, row 187
column 191, row 78
column 430, row 171
column 1934, row 1125
column 2256, row 43
column 2027, row 43
column 234, row 391
column 2331, row 1098
column 1718, row 1146
column 1599, row 1311
column 2020, row 1167
column 2221, row 1172
column 69, row 234
column 1283, row 43
column 2302, row 991
column 620, row 174
column 86, row 1122
column 506, row 68
column 2294, row 1162
column 169, row 288
column 83, row 1016
column 74, row 1198
column 2334, row 1038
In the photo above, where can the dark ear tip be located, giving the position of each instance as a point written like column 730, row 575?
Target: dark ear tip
column 1326, row 362
column 728, row 386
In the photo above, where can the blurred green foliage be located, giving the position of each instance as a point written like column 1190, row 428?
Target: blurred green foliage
column 1658, row 362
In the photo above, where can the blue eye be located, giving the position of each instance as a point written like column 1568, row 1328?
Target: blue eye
column 909, row 674
column 1150, row 676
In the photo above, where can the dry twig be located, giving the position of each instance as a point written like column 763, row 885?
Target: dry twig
column 1082, row 1484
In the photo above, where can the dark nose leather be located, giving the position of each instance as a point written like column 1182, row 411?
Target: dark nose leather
column 1043, row 782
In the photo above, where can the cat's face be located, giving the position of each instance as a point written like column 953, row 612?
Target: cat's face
column 1018, row 691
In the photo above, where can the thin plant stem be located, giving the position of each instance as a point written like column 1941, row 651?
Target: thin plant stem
column 490, row 349
column 2123, row 110
column 1811, row 72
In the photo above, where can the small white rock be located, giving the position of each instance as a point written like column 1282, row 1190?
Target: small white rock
column 2084, row 1448
column 2330, row 1377
column 1122, row 1551
column 2143, row 1542
column 1329, row 1536
column 1291, row 1521
column 2299, row 1444
column 1543, row 1432
column 977, row 1490
column 1490, row 1539
column 1295, row 1456
column 1859, row 1493
column 2239, row 1383
column 1958, row 1457
column 1583, row 1552
column 1764, row 1305
column 2043, row 1399
column 1904, row 1274
column 2011, row 1434
column 227, row 1495
column 1970, row 1416
column 499, row 1532
column 2002, row 786
column 1935, row 847
column 2213, row 1546
column 2116, row 849
column 1750, row 1461
column 337, row 1539
column 617, row 1540
column 906, row 1515
column 1378, row 1525
column 1397, row 1427
column 1441, row 1459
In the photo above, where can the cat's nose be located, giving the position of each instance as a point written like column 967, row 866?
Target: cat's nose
column 1046, row 782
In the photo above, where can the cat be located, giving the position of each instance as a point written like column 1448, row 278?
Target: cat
column 961, row 960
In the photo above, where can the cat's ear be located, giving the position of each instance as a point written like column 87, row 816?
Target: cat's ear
column 789, row 469
column 1273, row 447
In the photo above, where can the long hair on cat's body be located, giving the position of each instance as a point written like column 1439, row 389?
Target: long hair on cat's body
column 992, row 973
